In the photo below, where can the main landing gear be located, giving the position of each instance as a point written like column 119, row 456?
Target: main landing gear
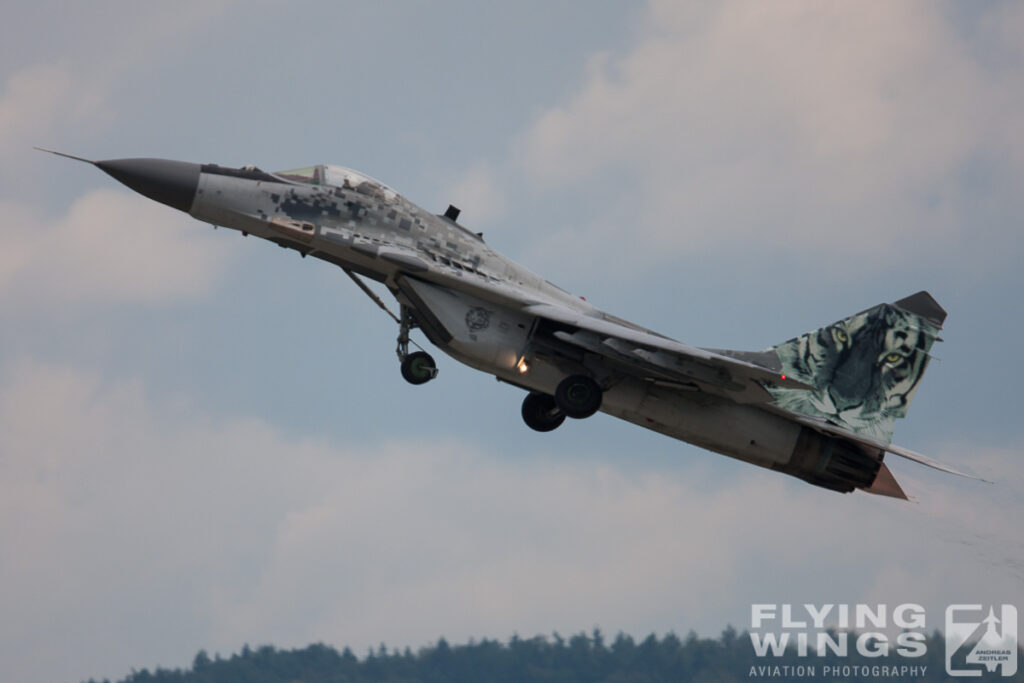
column 541, row 413
column 576, row 396
column 417, row 367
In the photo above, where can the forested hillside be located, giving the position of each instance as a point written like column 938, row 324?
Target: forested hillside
column 579, row 659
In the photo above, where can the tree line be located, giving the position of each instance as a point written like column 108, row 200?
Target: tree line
column 582, row 658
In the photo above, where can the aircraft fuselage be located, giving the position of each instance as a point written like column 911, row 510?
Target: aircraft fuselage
column 446, row 273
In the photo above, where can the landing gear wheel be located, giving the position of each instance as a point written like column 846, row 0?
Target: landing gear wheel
column 578, row 396
column 418, row 368
column 541, row 413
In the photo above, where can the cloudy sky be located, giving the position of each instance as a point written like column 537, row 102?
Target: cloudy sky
column 205, row 440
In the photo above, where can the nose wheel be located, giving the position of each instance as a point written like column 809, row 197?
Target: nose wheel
column 417, row 367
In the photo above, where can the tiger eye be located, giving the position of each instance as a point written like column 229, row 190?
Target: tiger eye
column 893, row 358
column 842, row 336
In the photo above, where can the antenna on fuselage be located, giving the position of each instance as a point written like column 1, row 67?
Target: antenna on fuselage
column 452, row 213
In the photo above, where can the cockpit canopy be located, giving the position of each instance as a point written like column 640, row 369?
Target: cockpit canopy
column 339, row 176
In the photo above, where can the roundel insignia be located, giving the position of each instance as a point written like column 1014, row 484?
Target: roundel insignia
column 478, row 318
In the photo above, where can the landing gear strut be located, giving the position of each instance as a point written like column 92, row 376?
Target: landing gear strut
column 417, row 367
column 541, row 413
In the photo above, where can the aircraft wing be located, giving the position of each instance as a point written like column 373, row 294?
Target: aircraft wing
column 646, row 354
column 655, row 357
column 639, row 352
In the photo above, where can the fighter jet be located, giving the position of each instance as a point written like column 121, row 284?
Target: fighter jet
column 820, row 406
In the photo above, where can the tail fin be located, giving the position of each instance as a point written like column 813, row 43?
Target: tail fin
column 864, row 368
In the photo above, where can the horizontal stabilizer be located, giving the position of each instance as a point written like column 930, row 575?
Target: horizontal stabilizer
column 929, row 462
column 835, row 430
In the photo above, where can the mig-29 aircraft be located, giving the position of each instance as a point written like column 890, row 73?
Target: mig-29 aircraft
column 820, row 406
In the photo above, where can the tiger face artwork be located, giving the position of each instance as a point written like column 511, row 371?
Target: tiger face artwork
column 865, row 369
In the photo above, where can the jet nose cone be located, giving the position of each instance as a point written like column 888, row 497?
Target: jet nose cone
column 169, row 182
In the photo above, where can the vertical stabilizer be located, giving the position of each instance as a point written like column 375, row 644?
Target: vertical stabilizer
column 865, row 368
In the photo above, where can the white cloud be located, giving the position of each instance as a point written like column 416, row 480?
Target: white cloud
column 47, row 100
column 111, row 247
column 42, row 99
column 815, row 130
column 165, row 531
column 478, row 193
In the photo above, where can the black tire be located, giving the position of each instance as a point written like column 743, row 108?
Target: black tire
column 541, row 413
column 418, row 368
column 578, row 396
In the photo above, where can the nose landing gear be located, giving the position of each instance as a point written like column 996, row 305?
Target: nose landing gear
column 417, row 367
